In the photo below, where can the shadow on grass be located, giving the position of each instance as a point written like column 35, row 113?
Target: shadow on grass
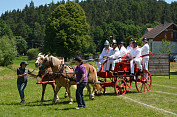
column 38, row 103
column 114, row 94
column 64, row 109
column 173, row 73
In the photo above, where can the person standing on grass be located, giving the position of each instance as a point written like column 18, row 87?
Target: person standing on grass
column 81, row 80
column 22, row 73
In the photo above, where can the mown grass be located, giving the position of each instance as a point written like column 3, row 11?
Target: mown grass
column 163, row 95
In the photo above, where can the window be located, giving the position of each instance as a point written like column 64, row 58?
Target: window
column 175, row 36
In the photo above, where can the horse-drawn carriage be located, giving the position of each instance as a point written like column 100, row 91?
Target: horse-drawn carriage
column 122, row 80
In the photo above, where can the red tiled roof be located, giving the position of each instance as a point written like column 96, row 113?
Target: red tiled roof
column 149, row 29
column 156, row 31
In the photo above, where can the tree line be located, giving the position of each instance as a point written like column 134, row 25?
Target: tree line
column 121, row 19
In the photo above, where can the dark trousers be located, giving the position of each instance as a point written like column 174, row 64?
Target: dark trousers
column 21, row 86
column 79, row 94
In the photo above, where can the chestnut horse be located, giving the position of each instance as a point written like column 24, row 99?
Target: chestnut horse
column 65, row 76
column 46, row 74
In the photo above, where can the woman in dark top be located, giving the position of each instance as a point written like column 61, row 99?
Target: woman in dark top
column 22, row 73
column 81, row 80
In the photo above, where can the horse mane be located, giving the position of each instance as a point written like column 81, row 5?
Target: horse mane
column 55, row 61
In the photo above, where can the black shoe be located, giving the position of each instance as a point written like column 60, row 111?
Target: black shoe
column 22, row 102
column 84, row 106
column 132, row 74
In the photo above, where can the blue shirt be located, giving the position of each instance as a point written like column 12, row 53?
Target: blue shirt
column 79, row 71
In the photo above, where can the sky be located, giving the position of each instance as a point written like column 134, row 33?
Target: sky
column 7, row 5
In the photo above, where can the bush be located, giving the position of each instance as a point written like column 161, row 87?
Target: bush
column 32, row 53
column 7, row 51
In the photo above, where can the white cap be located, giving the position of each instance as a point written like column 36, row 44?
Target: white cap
column 106, row 42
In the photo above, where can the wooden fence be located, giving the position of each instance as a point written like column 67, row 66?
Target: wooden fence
column 159, row 64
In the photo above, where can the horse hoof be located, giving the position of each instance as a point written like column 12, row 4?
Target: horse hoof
column 53, row 103
column 91, row 98
column 70, row 102
column 57, row 99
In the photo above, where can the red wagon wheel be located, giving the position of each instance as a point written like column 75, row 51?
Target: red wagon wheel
column 120, row 87
column 144, row 81
column 128, row 82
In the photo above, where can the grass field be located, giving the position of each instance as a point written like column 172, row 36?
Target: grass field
column 160, row 101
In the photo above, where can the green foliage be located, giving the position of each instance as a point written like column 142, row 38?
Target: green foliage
column 21, row 45
column 7, row 50
column 32, row 53
column 66, row 31
column 166, row 46
column 120, row 18
column 139, row 42
column 5, row 29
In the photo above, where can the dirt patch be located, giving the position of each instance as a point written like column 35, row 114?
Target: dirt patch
column 1, row 69
column 7, row 77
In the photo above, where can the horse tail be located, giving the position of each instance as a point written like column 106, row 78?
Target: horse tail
column 74, row 86
column 96, row 77
column 97, row 86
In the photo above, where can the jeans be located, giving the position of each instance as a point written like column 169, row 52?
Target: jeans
column 21, row 86
column 79, row 94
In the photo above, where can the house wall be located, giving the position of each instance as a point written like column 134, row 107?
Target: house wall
column 155, row 46
column 168, row 32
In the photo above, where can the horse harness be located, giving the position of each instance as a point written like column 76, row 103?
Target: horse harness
column 61, row 72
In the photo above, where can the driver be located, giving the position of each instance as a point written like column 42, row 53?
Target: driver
column 114, row 57
column 135, row 57
column 102, row 58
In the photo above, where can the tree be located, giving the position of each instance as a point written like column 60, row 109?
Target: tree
column 7, row 50
column 5, row 29
column 166, row 46
column 21, row 45
column 32, row 53
column 66, row 31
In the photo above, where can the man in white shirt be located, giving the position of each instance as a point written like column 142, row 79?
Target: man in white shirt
column 123, row 50
column 145, row 53
column 113, row 57
column 135, row 57
column 103, row 56
column 130, row 45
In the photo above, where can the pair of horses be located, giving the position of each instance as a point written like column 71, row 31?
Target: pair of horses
column 64, row 76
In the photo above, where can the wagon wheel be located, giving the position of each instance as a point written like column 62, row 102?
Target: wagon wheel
column 120, row 87
column 103, row 90
column 144, row 81
column 128, row 82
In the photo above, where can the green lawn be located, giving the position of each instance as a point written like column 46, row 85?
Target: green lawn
column 160, row 101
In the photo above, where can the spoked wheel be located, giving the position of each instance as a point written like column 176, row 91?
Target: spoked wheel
column 120, row 87
column 128, row 82
column 144, row 81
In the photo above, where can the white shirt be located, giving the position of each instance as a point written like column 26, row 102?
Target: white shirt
column 129, row 48
column 123, row 51
column 114, row 53
column 135, row 54
column 105, row 52
column 145, row 50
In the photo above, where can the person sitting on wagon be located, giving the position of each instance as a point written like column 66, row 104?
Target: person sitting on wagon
column 145, row 53
column 113, row 57
column 123, row 50
column 135, row 57
column 130, row 45
column 102, row 58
